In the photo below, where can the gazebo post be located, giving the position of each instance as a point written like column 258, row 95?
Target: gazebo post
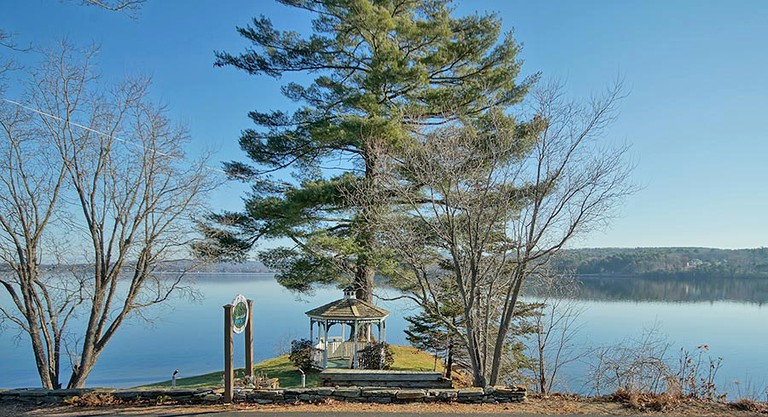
column 311, row 338
column 343, row 339
column 325, row 340
column 354, row 355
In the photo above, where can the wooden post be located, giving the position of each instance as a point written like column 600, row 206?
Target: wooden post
column 325, row 342
column 384, row 327
column 354, row 355
column 249, row 341
column 229, row 375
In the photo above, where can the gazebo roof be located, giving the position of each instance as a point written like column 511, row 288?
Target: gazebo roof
column 348, row 309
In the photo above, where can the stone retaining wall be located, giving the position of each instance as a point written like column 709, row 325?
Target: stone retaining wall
column 278, row 396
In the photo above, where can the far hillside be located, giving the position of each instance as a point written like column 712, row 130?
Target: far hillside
column 682, row 262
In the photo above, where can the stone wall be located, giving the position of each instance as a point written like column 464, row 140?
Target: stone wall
column 278, row 396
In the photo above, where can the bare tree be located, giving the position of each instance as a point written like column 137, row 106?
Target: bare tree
column 114, row 177
column 128, row 6
column 639, row 364
column 31, row 180
column 487, row 202
column 556, row 326
column 7, row 45
column 643, row 365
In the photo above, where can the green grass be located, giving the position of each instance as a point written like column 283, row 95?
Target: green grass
column 407, row 358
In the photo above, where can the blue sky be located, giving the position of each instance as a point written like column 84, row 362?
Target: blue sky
column 695, row 72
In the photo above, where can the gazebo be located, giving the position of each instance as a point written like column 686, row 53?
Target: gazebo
column 346, row 311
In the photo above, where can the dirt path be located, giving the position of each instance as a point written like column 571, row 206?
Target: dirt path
column 535, row 406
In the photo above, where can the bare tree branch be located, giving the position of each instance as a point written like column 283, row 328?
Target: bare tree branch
column 485, row 202
column 106, row 168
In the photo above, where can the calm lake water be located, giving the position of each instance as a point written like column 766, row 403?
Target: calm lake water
column 728, row 315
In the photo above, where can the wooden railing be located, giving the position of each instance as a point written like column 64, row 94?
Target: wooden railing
column 339, row 349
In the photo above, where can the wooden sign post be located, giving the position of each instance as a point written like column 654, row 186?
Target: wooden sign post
column 237, row 318
column 249, row 341
column 229, row 371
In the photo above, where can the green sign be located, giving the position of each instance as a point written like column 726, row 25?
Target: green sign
column 239, row 314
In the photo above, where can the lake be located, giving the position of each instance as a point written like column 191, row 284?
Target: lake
column 727, row 315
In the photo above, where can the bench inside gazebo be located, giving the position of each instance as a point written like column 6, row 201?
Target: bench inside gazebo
column 356, row 319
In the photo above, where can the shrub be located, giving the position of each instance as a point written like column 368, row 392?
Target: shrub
column 301, row 354
column 376, row 356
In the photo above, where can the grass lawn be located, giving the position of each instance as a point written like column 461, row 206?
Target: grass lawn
column 407, row 358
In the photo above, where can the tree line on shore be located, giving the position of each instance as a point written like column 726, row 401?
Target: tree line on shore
column 670, row 262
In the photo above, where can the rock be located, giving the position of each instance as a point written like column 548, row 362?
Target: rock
column 410, row 394
column 471, row 392
column 212, row 398
column 67, row 392
column 445, row 394
column 508, row 391
column 181, row 392
column 347, row 392
column 268, row 395
column 36, row 393
column 379, row 392
column 297, row 391
column 378, row 400
column 127, row 395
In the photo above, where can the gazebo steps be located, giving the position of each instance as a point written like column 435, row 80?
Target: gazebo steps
column 383, row 378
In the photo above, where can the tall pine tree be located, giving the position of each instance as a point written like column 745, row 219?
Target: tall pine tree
column 385, row 70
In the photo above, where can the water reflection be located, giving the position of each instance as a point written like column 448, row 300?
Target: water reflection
column 187, row 335
column 678, row 290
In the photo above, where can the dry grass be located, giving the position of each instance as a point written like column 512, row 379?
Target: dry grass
column 745, row 404
column 645, row 401
column 93, row 399
column 552, row 405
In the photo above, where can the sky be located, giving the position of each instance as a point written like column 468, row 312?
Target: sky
column 695, row 73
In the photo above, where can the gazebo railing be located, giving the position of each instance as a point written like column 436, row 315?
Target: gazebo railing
column 343, row 349
column 337, row 349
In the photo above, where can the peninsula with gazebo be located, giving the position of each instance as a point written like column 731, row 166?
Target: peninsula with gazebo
column 342, row 351
column 338, row 356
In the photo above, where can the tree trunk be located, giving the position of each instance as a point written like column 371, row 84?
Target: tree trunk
column 81, row 370
column 498, row 350
column 449, row 361
column 541, row 365
column 364, row 282
column 89, row 354
column 41, row 360
column 478, row 365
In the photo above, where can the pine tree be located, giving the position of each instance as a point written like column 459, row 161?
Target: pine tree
column 428, row 332
column 385, row 70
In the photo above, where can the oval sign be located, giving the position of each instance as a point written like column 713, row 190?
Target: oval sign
column 239, row 314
